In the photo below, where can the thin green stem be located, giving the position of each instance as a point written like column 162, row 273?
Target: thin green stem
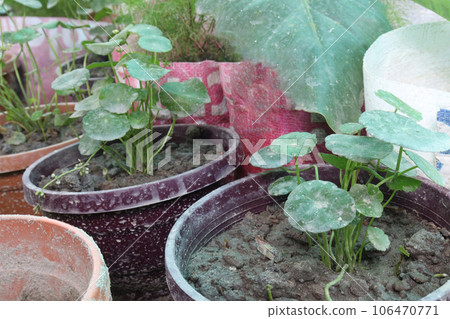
column 334, row 282
column 38, row 72
column 389, row 199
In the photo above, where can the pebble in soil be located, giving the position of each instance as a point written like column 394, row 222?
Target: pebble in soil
column 105, row 173
column 230, row 267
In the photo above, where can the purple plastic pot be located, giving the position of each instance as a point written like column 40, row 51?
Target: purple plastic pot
column 131, row 224
column 227, row 205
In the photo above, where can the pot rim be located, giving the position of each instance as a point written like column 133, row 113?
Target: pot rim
column 12, row 162
column 98, row 264
column 174, row 271
column 234, row 149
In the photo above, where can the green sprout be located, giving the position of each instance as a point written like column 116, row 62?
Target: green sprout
column 404, row 253
column 269, row 292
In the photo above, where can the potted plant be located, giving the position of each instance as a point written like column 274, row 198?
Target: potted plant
column 335, row 213
column 114, row 183
column 196, row 51
column 50, row 260
column 32, row 124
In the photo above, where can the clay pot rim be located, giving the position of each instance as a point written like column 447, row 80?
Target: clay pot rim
column 98, row 263
column 18, row 157
column 178, row 278
column 234, row 149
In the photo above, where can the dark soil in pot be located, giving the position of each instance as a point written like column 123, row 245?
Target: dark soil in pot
column 220, row 210
column 36, row 140
column 105, row 173
column 230, row 267
column 131, row 224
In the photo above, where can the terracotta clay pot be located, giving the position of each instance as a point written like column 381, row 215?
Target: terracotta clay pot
column 228, row 205
column 131, row 224
column 45, row 259
column 11, row 171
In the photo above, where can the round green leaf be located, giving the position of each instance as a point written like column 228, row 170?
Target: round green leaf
column 426, row 167
column 284, row 185
column 294, row 144
column 350, row 128
column 71, row 80
column 16, row 138
column 265, row 158
column 379, row 240
column 360, row 149
column 403, row 183
column 37, row 115
column 139, row 119
column 34, row 4
column 142, row 69
column 102, row 125
column 399, row 105
column 145, row 30
column 184, row 98
column 390, row 161
column 104, row 48
column 155, row 43
column 102, row 31
column 22, row 36
column 99, row 84
column 88, row 145
column 336, row 161
column 403, row 131
column 319, row 206
column 88, row 104
column 368, row 199
column 117, row 97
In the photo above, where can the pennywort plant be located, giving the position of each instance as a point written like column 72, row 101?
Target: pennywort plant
column 119, row 112
column 337, row 215
column 27, row 113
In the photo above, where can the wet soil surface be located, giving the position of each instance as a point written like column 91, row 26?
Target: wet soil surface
column 36, row 140
column 105, row 173
column 230, row 267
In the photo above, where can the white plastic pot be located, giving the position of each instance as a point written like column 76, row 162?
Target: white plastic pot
column 413, row 63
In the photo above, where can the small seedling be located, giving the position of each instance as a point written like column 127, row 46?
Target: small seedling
column 404, row 253
column 444, row 275
column 269, row 292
